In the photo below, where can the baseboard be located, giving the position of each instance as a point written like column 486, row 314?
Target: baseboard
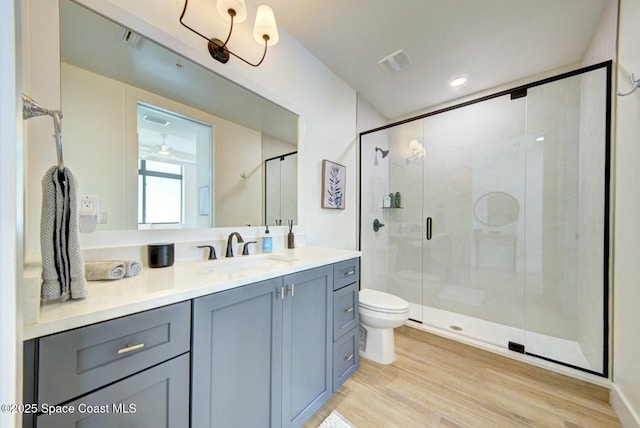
column 627, row 415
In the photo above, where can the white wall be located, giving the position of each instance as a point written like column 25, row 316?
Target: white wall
column 239, row 177
column 103, row 128
column 626, row 341
column 10, row 215
column 272, row 147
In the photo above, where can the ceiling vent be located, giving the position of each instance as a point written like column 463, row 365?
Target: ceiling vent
column 131, row 38
column 156, row 120
column 395, row 62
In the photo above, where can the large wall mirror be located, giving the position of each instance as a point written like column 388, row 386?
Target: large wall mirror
column 162, row 141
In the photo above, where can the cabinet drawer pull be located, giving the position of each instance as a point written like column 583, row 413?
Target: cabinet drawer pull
column 349, row 273
column 291, row 289
column 130, row 348
column 280, row 292
column 349, row 310
column 348, row 357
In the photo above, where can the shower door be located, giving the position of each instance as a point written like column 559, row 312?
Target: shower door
column 567, row 220
column 516, row 220
column 474, row 220
column 501, row 233
column 281, row 188
column 392, row 250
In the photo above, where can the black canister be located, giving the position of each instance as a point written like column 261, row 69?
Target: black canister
column 160, row 254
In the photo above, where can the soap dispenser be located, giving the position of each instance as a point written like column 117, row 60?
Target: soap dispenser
column 267, row 241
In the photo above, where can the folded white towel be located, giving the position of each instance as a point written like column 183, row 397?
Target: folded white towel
column 111, row 269
column 104, row 269
column 133, row 267
column 62, row 262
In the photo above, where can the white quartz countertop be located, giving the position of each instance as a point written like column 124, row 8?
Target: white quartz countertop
column 163, row 286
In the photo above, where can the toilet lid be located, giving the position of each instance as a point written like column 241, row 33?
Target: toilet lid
column 382, row 302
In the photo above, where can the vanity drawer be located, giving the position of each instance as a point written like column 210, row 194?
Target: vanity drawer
column 346, row 272
column 345, row 310
column 157, row 397
column 346, row 358
column 81, row 360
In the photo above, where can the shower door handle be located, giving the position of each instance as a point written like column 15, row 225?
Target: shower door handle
column 429, row 228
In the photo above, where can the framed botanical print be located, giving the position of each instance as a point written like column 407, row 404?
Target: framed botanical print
column 333, row 184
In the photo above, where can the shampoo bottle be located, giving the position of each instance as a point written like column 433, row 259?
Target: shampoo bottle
column 267, row 241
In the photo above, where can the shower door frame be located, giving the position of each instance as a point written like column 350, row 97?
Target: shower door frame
column 516, row 92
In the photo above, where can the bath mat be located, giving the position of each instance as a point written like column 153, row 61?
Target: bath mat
column 464, row 295
column 336, row 420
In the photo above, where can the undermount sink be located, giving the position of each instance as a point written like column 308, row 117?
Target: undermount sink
column 249, row 264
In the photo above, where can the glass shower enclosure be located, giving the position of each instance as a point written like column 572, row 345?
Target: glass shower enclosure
column 493, row 217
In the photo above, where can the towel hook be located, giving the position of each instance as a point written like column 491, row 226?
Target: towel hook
column 31, row 109
column 635, row 83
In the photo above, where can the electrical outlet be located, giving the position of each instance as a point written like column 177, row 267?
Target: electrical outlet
column 89, row 203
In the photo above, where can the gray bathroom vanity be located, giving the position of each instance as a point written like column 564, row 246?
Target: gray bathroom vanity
column 248, row 348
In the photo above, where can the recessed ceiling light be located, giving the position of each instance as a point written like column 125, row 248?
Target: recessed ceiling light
column 540, row 139
column 457, row 82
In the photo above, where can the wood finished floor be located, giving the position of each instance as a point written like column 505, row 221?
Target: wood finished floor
column 436, row 382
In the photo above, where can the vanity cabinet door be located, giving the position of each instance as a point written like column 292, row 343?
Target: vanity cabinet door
column 155, row 398
column 237, row 356
column 346, row 357
column 308, row 337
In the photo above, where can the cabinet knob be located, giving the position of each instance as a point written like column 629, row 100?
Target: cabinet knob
column 349, row 310
column 348, row 357
column 130, row 348
column 349, row 273
column 291, row 289
column 280, row 292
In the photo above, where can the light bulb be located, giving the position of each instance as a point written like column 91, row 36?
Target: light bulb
column 238, row 6
column 265, row 24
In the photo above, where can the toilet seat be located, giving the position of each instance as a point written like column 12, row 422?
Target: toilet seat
column 378, row 301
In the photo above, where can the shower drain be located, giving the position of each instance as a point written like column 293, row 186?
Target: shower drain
column 455, row 327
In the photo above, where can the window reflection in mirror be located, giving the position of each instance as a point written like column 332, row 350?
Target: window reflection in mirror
column 174, row 162
column 160, row 193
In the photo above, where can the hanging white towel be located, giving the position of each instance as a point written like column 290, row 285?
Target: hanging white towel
column 62, row 263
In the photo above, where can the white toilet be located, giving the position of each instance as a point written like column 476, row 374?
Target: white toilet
column 380, row 313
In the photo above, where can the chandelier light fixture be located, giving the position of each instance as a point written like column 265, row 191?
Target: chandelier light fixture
column 265, row 31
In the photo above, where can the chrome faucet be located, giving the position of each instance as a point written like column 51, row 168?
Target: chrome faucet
column 229, row 243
